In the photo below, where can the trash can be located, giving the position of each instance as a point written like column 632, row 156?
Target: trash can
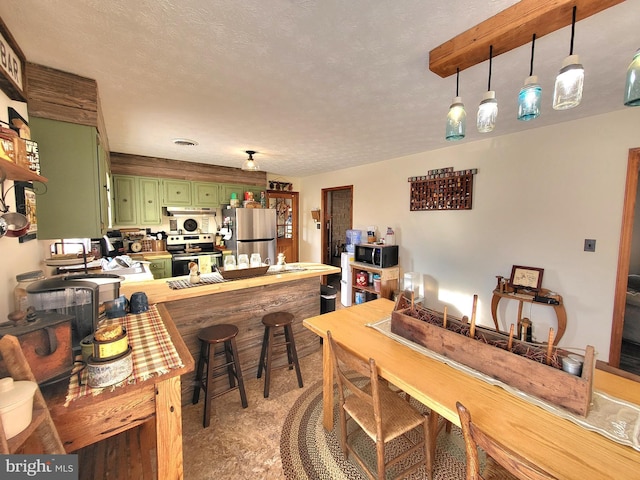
column 328, row 296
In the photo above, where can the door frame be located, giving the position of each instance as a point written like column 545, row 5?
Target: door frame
column 326, row 216
column 624, row 256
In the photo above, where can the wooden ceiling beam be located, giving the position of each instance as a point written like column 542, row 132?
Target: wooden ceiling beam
column 509, row 29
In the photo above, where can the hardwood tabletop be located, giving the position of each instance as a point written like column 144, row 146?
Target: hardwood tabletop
column 557, row 445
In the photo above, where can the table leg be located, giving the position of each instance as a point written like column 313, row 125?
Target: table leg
column 169, row 429
column 327, row 386
column 494, row 310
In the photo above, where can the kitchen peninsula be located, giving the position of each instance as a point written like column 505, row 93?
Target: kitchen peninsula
column 241, row 302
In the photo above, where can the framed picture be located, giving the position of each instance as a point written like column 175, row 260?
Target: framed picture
column 26, row 204
column 526, row 277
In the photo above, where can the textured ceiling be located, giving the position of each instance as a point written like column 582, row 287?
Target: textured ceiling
column 312, row 85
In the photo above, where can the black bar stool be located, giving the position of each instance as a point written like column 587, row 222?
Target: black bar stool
column 270, row 322
column 209, row 338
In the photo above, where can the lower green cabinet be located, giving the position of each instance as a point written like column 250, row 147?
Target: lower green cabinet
column 160, row 267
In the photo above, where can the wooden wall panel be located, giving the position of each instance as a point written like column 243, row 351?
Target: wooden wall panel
column 58, row 95
column 126, row 164
column 245, row 309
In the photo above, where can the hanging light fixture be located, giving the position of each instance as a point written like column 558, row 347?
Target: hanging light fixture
column 568, row 89
column 457, row 117
column 488, row 109
column 530, row 95
column 250, row 164
column 632, row 86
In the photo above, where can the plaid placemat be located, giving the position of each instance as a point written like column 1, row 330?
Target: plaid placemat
column 205, row 279
column 152, row 352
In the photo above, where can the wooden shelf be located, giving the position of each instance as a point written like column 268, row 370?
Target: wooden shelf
column 388, row 280
column 16, row 172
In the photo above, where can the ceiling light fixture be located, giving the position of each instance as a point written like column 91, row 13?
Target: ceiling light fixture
column 530, row 95
column 184, row 142
column 632, row 86
column 250, row 164
column 569, row 82
column 457, row 117
column 488, row 109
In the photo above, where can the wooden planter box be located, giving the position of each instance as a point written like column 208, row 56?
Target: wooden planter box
column 537, row 379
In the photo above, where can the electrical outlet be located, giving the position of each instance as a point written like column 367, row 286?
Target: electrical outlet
column 589, row 245
column 318, row 226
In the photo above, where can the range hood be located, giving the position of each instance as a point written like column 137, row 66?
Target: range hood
column 171, row 211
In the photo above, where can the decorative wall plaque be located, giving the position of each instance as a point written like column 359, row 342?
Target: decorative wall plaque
column 12, row 61
column 442, row 189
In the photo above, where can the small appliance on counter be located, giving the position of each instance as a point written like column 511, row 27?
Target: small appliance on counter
column 82, row 296
column 382, row 256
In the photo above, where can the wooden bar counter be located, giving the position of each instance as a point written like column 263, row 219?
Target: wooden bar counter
column 243, row 303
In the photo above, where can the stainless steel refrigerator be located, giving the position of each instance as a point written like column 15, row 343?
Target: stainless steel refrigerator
column 253, row 230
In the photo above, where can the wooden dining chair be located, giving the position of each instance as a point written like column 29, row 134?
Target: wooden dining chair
column 380, row 413
column 502, row 462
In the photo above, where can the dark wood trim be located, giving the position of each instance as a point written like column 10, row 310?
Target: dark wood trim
column 624, row 255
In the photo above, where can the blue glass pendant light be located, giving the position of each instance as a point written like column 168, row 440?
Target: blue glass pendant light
column 488, row 110
column 457, row 117
column 530, row 95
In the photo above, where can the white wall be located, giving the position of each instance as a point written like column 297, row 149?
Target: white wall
column 15, row 257
column 537, row 195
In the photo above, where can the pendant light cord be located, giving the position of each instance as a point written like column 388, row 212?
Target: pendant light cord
column 490, row 59
column 457, row 79
column 533, row 44
column 573, row 28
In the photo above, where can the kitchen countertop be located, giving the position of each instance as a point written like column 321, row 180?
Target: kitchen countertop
column 158, row 291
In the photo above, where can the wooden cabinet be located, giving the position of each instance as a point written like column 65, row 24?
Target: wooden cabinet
column 388, row 281
column 286, row 205
column 205, row 194
column 176, row 193
column 73, row 203
column 136, row 201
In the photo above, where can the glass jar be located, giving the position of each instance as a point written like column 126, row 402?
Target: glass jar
column 20, row 303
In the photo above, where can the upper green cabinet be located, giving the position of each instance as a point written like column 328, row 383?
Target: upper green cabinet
column 176, row 193
column 205, row 194
column 136, row 201
column 74, row 203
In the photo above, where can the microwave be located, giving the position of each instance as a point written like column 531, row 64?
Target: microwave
column 382, row 256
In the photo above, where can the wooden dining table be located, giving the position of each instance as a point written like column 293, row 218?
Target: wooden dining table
column 557, row 445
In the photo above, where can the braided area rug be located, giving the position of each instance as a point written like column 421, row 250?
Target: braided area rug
column 309, row 452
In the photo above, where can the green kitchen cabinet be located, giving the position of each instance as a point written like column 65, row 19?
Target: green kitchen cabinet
column 226, row 189
column 125, row 200
column 160, row 267
column 205, row 194
column 136, row 201
column 74, row 202
column 149, row 208
column 176, row 193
